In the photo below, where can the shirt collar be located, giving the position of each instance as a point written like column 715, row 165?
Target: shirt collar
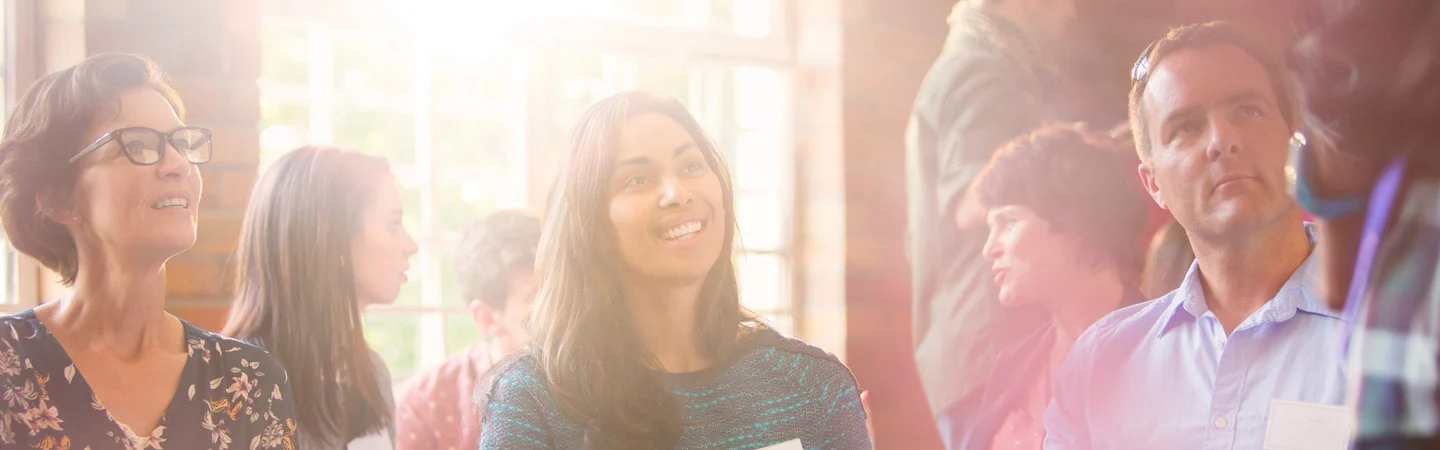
column 1300, row 293
column 1189, row 297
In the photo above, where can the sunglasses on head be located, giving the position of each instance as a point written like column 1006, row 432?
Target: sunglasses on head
column 1142, row 64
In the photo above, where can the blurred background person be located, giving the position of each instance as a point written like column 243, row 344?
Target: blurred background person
column 496, row 267
column 323, row 239
column 989, row 85
column 1367, row 169
column 90, row 187
column 639, row 339
column 1064, row 211
column 1168, row 255
column 1167, row 260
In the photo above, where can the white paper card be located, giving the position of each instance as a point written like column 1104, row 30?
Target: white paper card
column 1308, row 426
column 787, row 445
column 374, row 441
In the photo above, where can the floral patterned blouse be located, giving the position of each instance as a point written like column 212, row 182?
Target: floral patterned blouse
column 231, row 396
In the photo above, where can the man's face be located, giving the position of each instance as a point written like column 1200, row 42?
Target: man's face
column 1218, row 142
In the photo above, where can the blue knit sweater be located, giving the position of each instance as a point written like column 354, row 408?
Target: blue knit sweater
column 772, row 392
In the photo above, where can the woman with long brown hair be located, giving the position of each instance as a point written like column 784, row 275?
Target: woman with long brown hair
column 322, row 240
column 639, row 340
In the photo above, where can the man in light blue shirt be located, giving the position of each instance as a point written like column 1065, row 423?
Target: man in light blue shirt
column 1245, row 351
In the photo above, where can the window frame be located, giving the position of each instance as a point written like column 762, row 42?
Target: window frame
column 21, row 69
column 703, row 51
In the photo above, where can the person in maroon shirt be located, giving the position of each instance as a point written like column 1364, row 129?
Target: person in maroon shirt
column 495, row 267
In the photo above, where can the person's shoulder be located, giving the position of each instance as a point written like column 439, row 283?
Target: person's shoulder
column 979, row 36
column 1125, row 326
column 214, row 349
column 519, row 372
column 975, row 49
column 973, row 58
column 447, row 372
column 16, row 327
column 515, row 383
column 447, row 376
column 382, row 370
column 794, row 359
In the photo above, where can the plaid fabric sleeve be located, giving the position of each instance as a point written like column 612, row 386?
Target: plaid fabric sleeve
column 1399, row 401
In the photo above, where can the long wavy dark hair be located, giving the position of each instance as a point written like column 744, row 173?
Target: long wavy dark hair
column 296, row 292
column 596, row 367
column 1368, row 74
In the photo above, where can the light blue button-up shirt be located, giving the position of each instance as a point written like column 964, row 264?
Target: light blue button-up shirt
column 1163, row 374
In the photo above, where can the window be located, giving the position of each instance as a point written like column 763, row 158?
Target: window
column 9, row 261
column 471, row 100
column 18, row 274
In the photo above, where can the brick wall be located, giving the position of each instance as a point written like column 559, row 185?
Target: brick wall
column 211, row 50
column 820, row 187
column 888, row 47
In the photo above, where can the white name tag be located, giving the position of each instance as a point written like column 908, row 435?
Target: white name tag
column 787, row 445
column 1308, row 426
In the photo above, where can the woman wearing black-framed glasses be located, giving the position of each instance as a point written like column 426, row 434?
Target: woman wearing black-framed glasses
column 107, row 367
column 146, row 146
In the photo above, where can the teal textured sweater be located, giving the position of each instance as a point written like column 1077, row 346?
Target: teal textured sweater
column 774, row 391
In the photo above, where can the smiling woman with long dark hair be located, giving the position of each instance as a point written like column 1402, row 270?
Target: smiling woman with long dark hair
column 639, row 340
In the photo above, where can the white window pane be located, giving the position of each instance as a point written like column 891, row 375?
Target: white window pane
column 782, row 322
column 395, row 336
column 761, row 221
column 762, row 283
column 283, row 127
column 461, row 332
column 431, row 349
column 758, row 163
column 285, row 54
column 659, row 12
column 753, row 17
column 759, row 100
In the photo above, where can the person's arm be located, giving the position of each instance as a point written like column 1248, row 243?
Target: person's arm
column 512, row 418
column 1067, row 424
column 387, row 390
column 1336, row 175
column 988, row 105
column 844, row 412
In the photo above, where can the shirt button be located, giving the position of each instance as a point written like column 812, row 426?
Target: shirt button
column 1220, row 422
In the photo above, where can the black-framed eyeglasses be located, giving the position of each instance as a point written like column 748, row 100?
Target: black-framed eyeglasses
column 146, row 146
column 1142, row 64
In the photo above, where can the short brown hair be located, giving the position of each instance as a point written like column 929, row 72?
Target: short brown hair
column 45, row 130
column 1081, row 183
column 1196, row 36
column 491, row 249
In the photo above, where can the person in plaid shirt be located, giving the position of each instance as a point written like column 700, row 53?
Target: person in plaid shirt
column 1367, row 168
